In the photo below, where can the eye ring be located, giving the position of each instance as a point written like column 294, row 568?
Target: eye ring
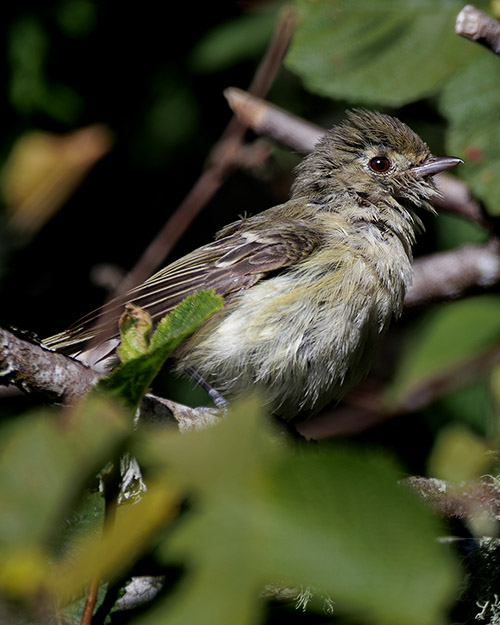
column 380, row 164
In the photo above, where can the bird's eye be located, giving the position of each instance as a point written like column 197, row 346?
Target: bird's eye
column 379, row 164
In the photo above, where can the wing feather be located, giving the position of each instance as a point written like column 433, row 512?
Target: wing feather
column 231, row 263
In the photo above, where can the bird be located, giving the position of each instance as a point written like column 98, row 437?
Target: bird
column 311, row 285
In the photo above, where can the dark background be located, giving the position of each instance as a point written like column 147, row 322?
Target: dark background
column 135, row 70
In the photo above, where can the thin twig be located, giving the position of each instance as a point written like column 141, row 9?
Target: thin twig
column 90, row 602
column 221, row 161
column 274, row 122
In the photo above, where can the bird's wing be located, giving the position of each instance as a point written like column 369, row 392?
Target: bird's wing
column 229, row 264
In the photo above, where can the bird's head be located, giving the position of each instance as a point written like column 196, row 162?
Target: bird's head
column 373, row 157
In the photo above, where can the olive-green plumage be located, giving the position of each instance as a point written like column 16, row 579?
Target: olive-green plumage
column 310, row 285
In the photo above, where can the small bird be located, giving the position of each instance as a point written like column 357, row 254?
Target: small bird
column 311, row 285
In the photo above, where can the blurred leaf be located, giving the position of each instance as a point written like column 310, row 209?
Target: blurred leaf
column 84, row 520
column 452, row 231
column 170, row 123
column 459, row 455
column 43, row 171
column 470, row 102
column 334, row 520
column 495, row 392
column 132, row 379
column 29, row 89
column 234, row 41
column 76, row 18
column 470, row 405
column 45, row 460
column 386, row 52
column 446, row 339
column 28, row 49
column 106, row 556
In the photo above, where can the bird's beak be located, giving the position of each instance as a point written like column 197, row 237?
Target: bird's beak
column 435, row 164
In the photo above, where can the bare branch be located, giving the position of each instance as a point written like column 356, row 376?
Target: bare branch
column 452, row 274
column 37, row 369
column 156, row 409
column 274, row 122
column 34, row 368
column 478, row 26
column 462, row 501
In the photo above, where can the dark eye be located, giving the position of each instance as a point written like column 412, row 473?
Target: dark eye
column 380, row 164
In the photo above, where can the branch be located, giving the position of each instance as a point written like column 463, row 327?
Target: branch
column 478, row 26
column 36, row 369
column 33, row 368
column 463, row 501
column 449, row 275
column 274, row 122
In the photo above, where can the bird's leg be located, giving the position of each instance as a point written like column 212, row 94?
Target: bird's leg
column 214, row 394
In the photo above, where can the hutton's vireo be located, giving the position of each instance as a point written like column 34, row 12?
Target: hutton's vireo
column 310, row 286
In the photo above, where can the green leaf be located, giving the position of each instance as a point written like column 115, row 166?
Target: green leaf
column 132, row 379
column 29, row 89
column 46, row 459
column 447, row 338
column 136, row 327
column 233, row 41
column 385, row 52
column 470, row 102
column 335, row 520
column 106, row 556
column 452, row 231
column 459, row 455
column 186, row 318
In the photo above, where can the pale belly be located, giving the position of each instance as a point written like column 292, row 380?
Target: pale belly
column 302, row 341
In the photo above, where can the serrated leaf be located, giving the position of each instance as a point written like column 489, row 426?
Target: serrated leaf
column 131, row 380
column 446, row 339
column 186, row 318
column 385, row 52
column 470, row 102
column 335, row 520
